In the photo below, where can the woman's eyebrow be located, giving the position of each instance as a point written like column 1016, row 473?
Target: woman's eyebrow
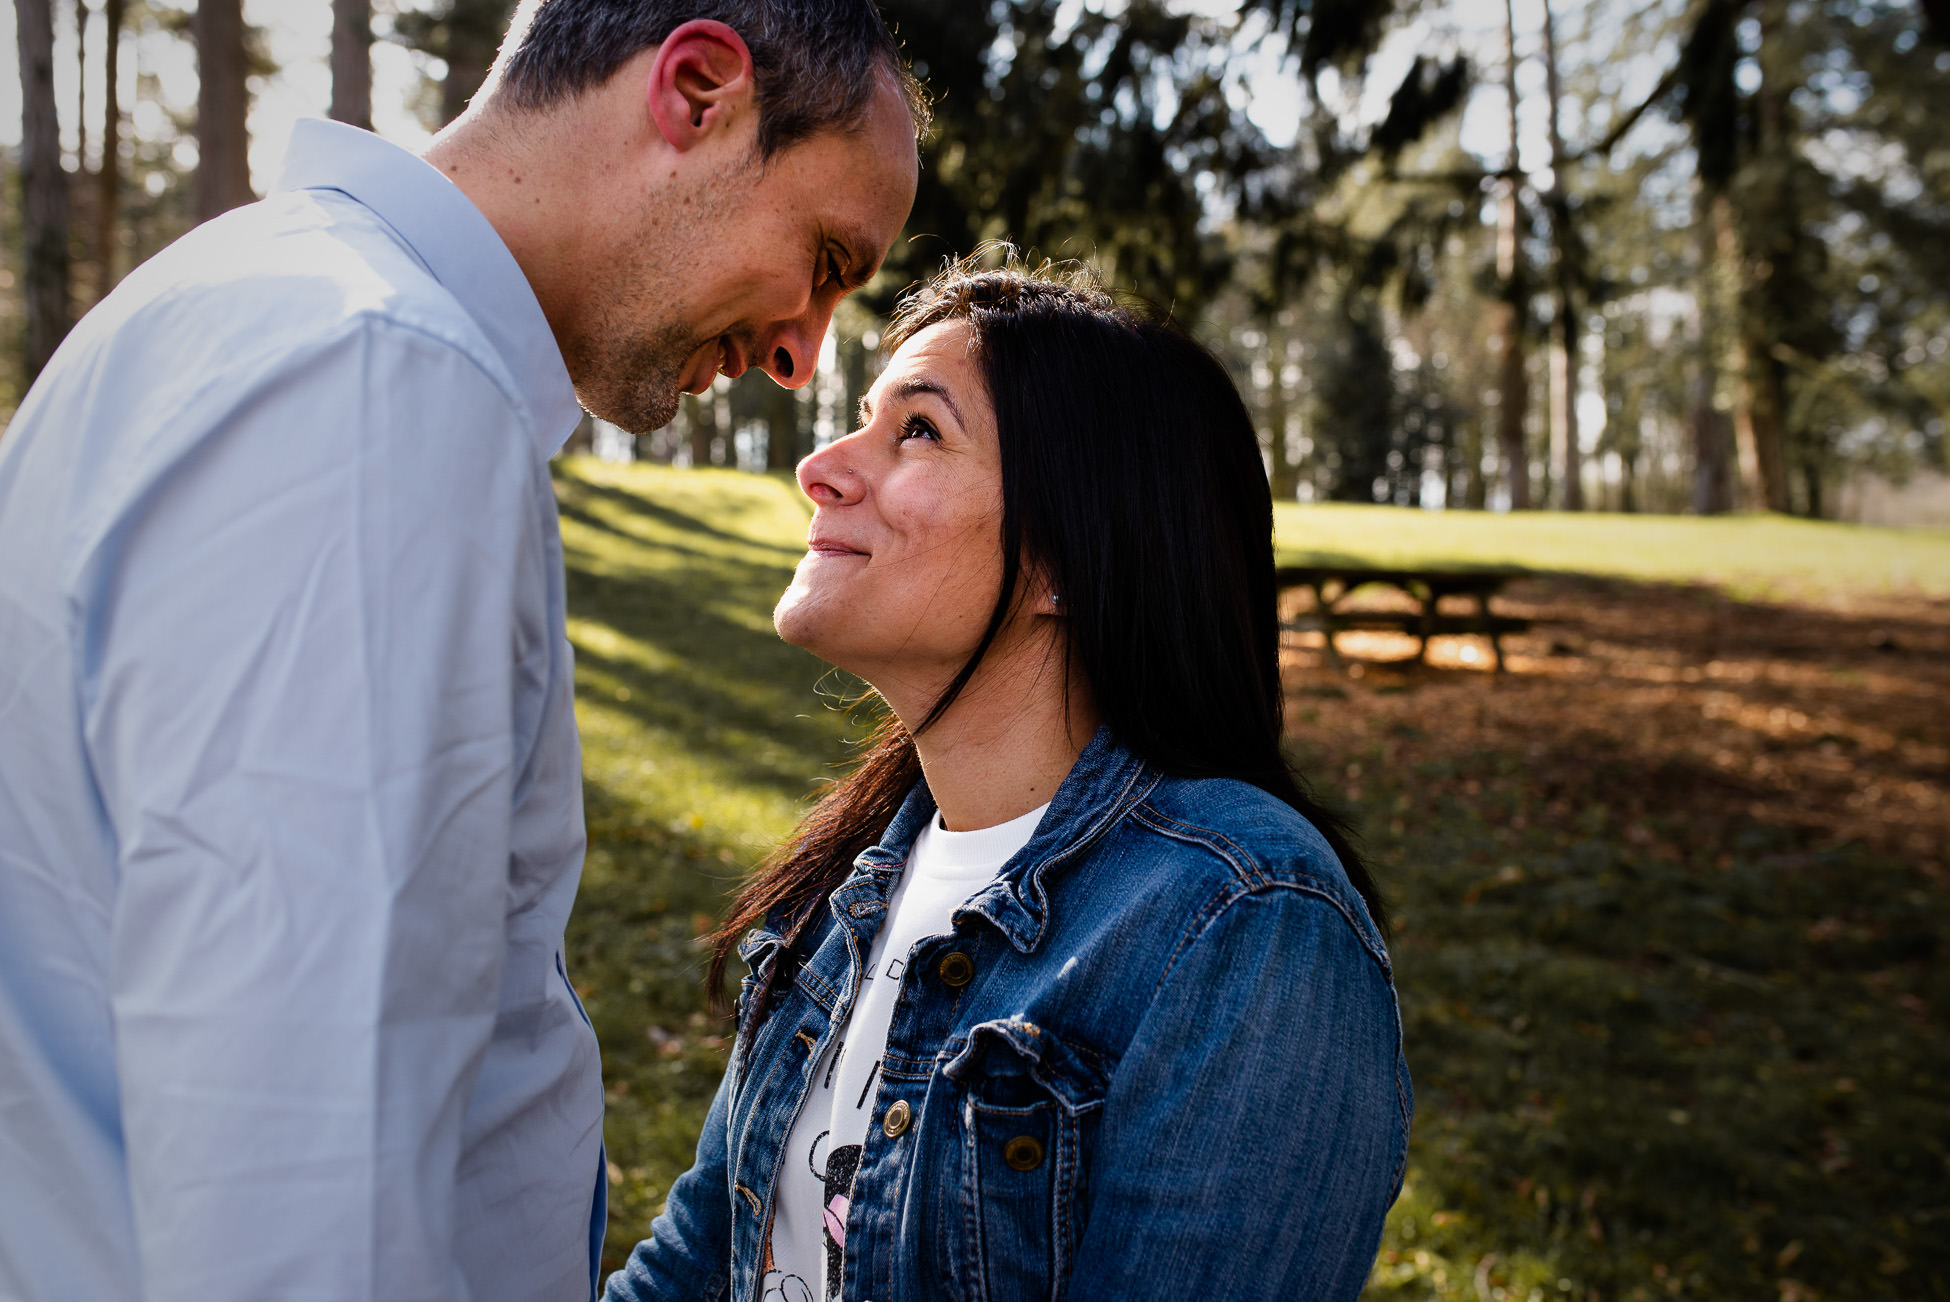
column 914, row 388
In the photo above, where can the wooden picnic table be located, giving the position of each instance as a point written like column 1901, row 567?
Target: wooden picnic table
column 1426, row 586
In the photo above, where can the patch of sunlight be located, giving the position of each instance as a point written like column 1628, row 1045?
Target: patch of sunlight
column 1749, row 555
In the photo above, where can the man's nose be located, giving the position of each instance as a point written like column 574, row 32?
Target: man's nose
column 793, row 351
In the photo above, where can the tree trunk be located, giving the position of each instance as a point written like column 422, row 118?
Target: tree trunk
column 352, row 62
column 1711, row 430
column 44, row 189
column 781, row 428
column 1475, row 490
column 1762, row 420
column 474, row 32
column 1283, row 472
column 223, row 173
column 108, row 177
column 81, row 86
column 1567, row 456
column 1513, row 383
column 701, row 416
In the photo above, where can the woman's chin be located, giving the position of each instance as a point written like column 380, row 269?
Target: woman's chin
column 800, row 620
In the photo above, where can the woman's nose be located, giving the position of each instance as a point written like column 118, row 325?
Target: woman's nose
column 827, row 478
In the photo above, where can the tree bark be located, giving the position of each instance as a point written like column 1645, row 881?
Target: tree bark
column 223, row 174
column 701, row 420
column 1566, row 456
column 1712, row 431
column 44, row 190
column 782, row 451
column 108, row 177
column 1762, row 419
column 81, row 86
column 1283, row 473
column 352, row 62
column 1513, row 382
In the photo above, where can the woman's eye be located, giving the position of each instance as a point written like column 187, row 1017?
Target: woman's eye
column 833, row 275
column 919, row 427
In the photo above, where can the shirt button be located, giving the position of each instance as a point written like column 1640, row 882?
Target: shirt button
column 956, row 970
column 898, row 1117
column 863, row 909
column 1023, row 1153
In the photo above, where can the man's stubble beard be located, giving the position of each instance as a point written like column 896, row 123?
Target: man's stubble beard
column 630, row 374
column 629, row 368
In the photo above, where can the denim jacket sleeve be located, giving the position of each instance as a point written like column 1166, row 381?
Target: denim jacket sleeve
column 687, row 1256
column 1268, row 1057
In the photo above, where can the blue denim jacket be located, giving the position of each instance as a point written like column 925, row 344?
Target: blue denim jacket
column 1177, row 996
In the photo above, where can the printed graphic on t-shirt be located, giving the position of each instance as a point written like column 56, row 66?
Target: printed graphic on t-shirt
column 777, row 1285
column 836, row 1174
column 827, row 1142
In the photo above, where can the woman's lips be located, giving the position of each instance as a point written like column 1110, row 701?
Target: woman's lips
column 822, row 546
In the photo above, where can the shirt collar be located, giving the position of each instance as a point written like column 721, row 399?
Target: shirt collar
column 458, row 246
column 1102, row 786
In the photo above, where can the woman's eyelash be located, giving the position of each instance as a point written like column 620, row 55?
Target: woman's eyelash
column 918, row 426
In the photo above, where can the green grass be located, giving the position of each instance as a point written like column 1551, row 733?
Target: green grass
column 701, row 734
column 1638, row 1076
column 1750, row 556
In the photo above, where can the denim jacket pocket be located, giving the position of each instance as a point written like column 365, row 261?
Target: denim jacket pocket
column 1028, row 1109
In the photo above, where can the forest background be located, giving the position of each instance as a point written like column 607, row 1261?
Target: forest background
column 1636, row 255
column 1670, row 893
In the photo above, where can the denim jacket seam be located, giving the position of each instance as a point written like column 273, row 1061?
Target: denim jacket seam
column 1223, row 900
column 1236, row 856
column 816, row 989
column 1257, row 879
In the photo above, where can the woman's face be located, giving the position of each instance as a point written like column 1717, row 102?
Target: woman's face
column 904, row 554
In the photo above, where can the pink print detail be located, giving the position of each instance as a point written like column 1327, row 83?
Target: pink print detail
column 836, row 1218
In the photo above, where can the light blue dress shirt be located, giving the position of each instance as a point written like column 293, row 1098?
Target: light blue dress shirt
column 290, row 802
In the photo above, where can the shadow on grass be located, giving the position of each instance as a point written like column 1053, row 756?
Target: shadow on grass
column 1673, row 921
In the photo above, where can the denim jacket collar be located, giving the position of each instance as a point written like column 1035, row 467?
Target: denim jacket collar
column 1104, row 783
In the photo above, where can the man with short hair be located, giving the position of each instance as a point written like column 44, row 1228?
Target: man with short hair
column 290, row 805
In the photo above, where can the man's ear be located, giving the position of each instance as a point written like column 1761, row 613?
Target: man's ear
column 701, row 82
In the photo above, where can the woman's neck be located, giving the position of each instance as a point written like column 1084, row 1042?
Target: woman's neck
column 1005, row 745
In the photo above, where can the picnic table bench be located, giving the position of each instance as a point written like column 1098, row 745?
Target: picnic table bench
column 1332, row 584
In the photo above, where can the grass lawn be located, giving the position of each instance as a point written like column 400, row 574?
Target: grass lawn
column 1757, row 556
column 1675, row 1030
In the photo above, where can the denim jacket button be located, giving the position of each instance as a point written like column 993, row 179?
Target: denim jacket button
column 1023, row 1153
column 956, row 970
column 897, row 1118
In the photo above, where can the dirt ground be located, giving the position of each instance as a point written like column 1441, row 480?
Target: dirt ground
column 1830, row 717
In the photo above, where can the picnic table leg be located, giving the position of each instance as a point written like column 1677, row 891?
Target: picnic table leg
column 1427, row 599
column 1489, row 626
column 1324, row 610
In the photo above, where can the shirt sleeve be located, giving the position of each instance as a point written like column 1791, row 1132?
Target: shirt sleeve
column 302, row 649
column 1252, row 1139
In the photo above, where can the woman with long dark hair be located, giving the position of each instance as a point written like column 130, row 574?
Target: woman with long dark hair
column 1070, row 989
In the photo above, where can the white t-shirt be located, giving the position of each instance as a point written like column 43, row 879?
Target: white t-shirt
column 823, row 1151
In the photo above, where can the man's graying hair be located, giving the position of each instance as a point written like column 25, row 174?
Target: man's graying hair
column 816, row 61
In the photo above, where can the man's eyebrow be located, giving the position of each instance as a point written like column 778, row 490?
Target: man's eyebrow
column 914, row 388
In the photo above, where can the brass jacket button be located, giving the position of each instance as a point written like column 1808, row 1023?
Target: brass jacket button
column 956, row 969
column 900, row 1115
column 1023, row 1153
